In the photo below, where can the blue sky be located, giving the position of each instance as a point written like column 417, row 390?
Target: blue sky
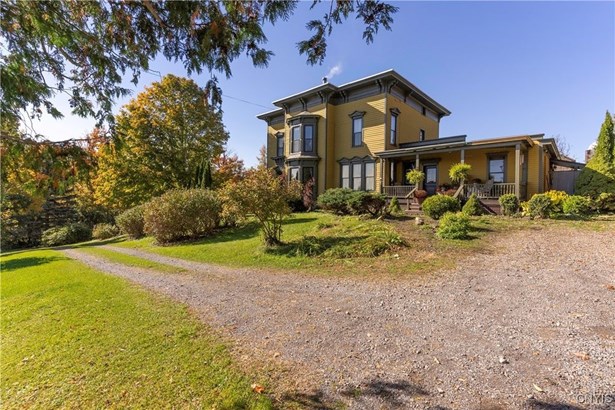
column 501, row 68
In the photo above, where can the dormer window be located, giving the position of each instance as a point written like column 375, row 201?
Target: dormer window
column 357, row 128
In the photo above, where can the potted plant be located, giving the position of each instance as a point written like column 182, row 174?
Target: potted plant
column 416, row 177
column 459, row 172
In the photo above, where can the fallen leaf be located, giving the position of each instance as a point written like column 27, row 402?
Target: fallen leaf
column 610, row 287
column 257, row 388
column 538, row 389
column 582, row 355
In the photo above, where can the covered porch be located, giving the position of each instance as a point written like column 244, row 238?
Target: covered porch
column 499, row 166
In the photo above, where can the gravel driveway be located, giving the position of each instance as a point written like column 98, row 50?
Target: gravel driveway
column 530, row 326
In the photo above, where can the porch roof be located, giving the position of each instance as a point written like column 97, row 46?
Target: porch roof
column 456, row 143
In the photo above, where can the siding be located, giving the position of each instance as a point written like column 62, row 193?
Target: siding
column 532, row 169
column 409, row 122
column 272, row 142
column 373, row 132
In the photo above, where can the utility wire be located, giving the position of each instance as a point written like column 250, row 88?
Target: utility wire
column 247, row 102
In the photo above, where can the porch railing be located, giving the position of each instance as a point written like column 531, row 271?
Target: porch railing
column 400, row 191
column 483, row 191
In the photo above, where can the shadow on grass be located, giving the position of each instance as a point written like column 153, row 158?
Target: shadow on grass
column 7, row 266
column 314, row 245
column 109, row 241
column 299, row 220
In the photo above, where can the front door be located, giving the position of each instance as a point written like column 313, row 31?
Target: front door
column 431, row 178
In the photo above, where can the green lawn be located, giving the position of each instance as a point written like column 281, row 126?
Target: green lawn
column 75, row 338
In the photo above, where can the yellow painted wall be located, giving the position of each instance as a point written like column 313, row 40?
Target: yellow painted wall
column 373, row 132
column 409, row 122
column 532, row 169
column 272, row 142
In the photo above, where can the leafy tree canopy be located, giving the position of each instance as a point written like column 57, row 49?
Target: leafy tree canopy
column 164, row 138
column 84, row 48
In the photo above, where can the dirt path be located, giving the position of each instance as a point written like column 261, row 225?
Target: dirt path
column 531, row 326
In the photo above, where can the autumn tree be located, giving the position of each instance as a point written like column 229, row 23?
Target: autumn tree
column 227, row 168
column 84, row 48
column 598, row 176
column 264, row 194
column 163, row 140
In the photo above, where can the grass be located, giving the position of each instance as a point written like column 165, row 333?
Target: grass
column 129, row 260
column 76, row 338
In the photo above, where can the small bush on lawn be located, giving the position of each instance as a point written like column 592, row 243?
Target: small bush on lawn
column 362, row 203
column 394, row 208
column 182, row 214
column 604, row 203
column 576, row 205
column 539, row 206
column 557, row 200
column 336, row 200
column 472, row 207
column 64, row 235
column 437, row 205
column 105, row 231
column 453, row 226
column 131, row 222
column 509, row 204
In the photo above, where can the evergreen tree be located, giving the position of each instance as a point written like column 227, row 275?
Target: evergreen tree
column 598, row 176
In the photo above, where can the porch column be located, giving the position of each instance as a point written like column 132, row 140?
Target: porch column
column 463, row 156
column 384, row 173
column 417, row 165
column 517, row 174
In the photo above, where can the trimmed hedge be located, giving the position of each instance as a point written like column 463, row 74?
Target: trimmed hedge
column 345, row 201
column 509, row 204
column 576, row 205
column 472, row 207
column 64, row 235
column 453, row 226
column 182, row 214
column 105, row 231
column 437, row 205
column 131, row 222
column 539, row 206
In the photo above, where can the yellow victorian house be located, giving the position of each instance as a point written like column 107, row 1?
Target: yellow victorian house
column 368, row 133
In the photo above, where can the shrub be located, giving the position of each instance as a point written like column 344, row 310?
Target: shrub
column 509, row 204
column 576, row 205
column 459, row 172
column 557, row 200
column 182, row 214
column 265, row 195
column 72, row 233
column 394, row 208
column 453, row 226
column 105, row 231
column 372, row 203
column 539, row 206
column 131, row 222
column 472, row 207
column 336, row 200
column 604, row 203
column 437, row 205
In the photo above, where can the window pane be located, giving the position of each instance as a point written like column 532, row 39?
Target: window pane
column 422, row 135
column 296, row 139
column 356, row 176
column 430, row 175
column 280, row 146
column 345, row 176
column 294, row 173
column 496, row 169
column 392, row 173
column 308, row 172
column 357, row 131
column 369, row 176
column 308, row 138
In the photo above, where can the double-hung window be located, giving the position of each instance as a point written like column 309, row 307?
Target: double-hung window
column 295, row 137
column 393, row 136
column 357, row 177
column 357, row 128
column 345, row 176
column 308, row 138
column 370, row 176
column 280, row 145
column 422, row 135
